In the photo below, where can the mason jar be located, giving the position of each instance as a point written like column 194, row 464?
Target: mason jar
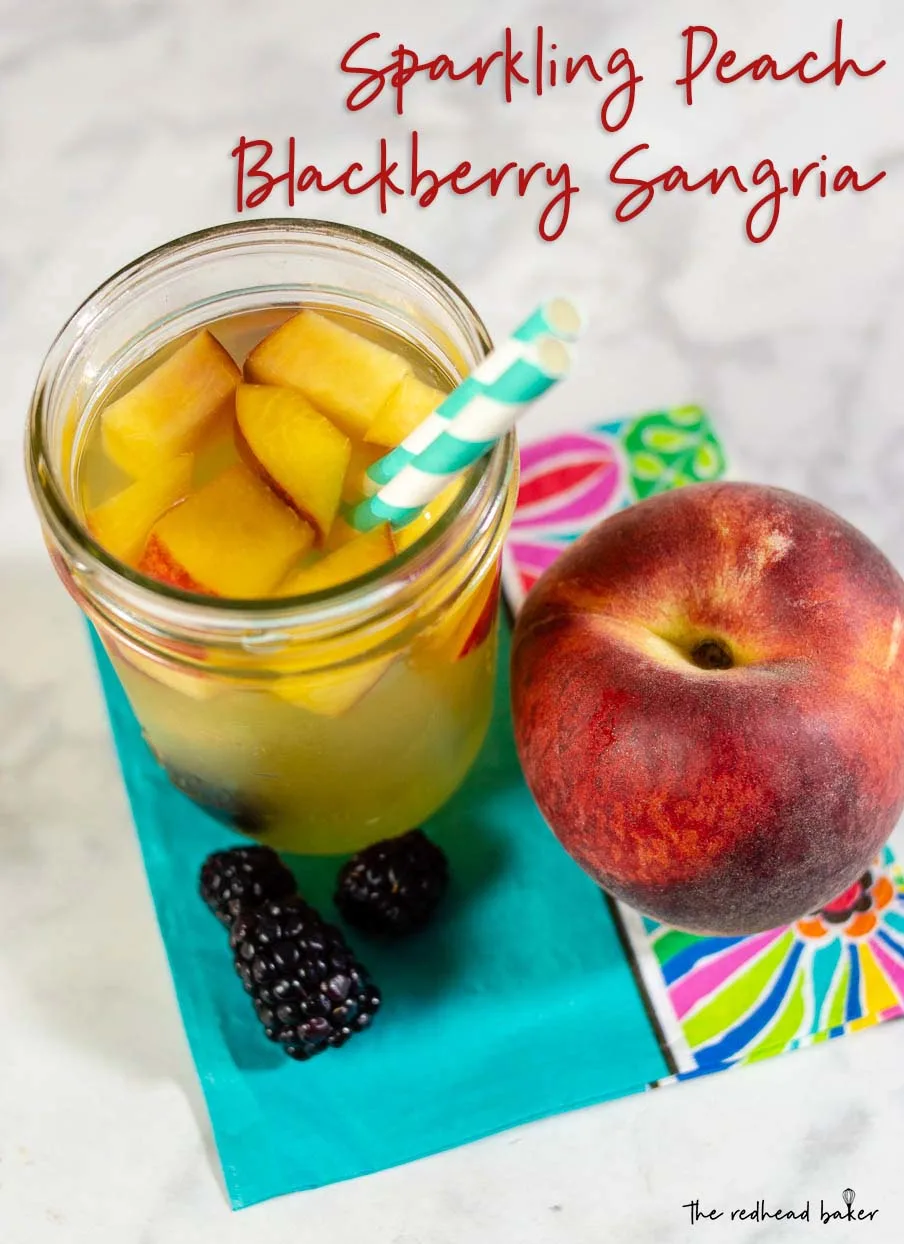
column 318, row 723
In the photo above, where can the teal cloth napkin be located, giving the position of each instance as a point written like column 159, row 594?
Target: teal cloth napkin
column 519, row 1001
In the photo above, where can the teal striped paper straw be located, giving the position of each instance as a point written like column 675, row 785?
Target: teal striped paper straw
column 557, row 317
column 481, row 420
column 502, row 372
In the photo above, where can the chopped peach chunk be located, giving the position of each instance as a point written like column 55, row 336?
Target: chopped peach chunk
column 348, row 377
column 483, row 623
column 466, row 624
column 233, row 537
column 364, row 553
column 183, row 679
column 157, row 562
column 295, row 449
column 122, row 524
column 341, row 533
column 330, row 693
column 216, row 449
column 429, row 515
column 406, row 407
column 167, row 412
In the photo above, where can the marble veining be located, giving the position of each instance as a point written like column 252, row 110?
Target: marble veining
column 118, row 117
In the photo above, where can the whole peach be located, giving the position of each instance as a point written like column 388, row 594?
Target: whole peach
column 708, row 697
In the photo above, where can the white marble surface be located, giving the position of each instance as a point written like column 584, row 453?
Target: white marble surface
column 117, row 123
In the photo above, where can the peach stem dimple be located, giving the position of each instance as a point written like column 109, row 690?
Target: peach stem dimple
column 712, row 654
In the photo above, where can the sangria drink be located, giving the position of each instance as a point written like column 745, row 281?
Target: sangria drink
column 199, row 429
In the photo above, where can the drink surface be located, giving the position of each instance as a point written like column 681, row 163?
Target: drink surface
column 221, row 466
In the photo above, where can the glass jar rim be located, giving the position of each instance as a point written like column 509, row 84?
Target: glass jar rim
column 486, row 481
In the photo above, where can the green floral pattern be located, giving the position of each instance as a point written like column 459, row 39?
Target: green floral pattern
column 667, row 449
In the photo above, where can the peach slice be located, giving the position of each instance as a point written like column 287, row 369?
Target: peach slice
column 341, row 533
column 157, row 562
column 296, row 450
column 350, row 561
column 336, row 688
column 483, row 623
column 429, row 515
column 407, row 406
column 348, row 377
column 122, row 524
column 330, row 693
column 185, row 681
column 233, row 537
column 216, row 449
column 167, row 412
column 465, row 626
column 329, row 679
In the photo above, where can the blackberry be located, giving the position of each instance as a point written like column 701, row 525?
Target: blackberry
column 393, row 886
column 244, row 876
column 309, row 991
column 224, row 805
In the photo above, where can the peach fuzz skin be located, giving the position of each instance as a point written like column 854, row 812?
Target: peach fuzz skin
column 726, row 800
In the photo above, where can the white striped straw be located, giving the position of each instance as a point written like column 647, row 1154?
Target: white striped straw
column 500, row 373
column 481, row 421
